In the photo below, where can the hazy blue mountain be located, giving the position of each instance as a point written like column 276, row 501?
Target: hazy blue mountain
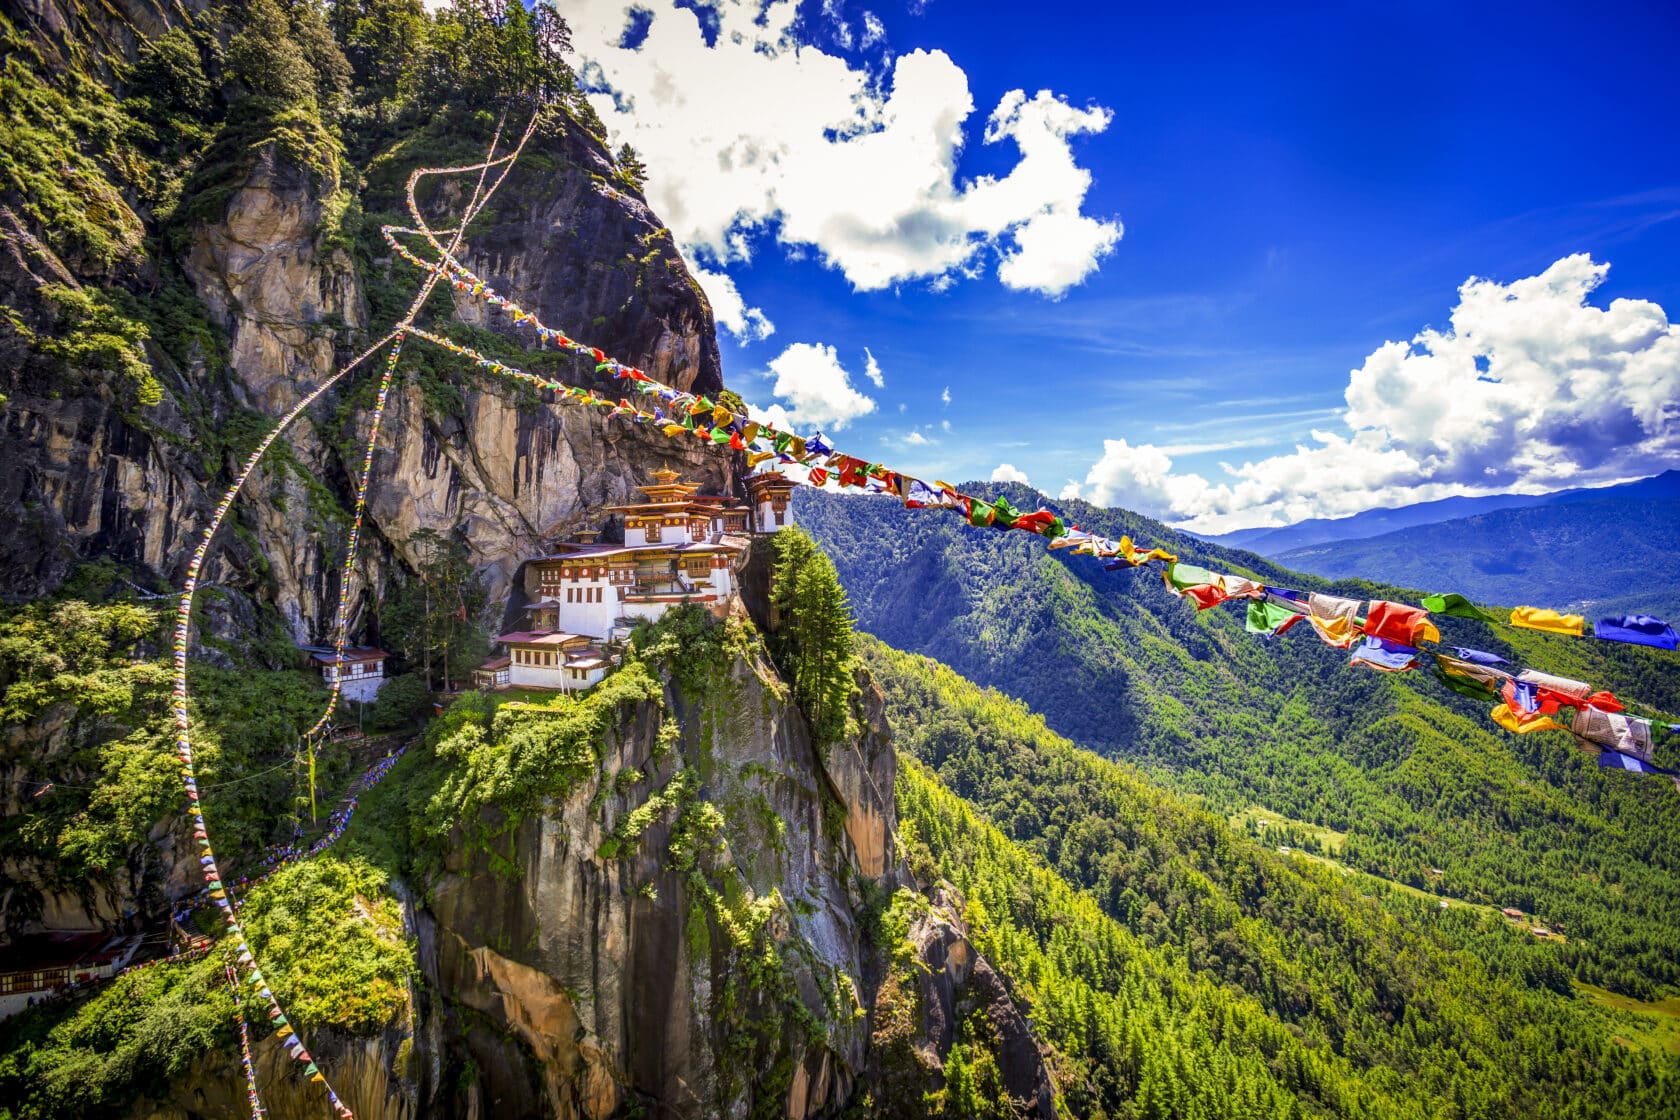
column 1612, row 554
column 1376, row 522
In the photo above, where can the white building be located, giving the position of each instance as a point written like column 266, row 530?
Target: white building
column 494, row 675
column 771, row 492
column 679, row 546
column 360, row 673
column 551, row 659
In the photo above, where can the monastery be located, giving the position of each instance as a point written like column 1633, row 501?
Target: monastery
column 680, row 546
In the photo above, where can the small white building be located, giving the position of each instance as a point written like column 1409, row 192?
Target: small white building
column 553, row 659
column 771, row 493
column 40, row 965
column 360, row 672
column 494, row 675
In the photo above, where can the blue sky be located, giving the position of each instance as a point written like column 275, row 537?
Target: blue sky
column 1297, row 185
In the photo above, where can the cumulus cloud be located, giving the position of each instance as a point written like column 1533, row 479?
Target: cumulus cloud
column 814, row 389
column 1008, row 472
column 1531, row 388
column 756, row 135
column 747, row 324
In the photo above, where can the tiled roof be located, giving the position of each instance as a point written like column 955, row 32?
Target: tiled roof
column 359, row 653
column 536, row 638
column 495, row 663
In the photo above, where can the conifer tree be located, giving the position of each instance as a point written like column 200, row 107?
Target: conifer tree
column 813, row 633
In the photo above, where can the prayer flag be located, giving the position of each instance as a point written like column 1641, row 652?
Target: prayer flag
column 1457, row 606
column 1628, row 734
column 1333, row 618
column 1563, row 685
column 1637, row 629
column 1180, row 576
column 1604, row 702
column 1380, row 653
column 1469, row 679
column 1615, row 760
column 1479, row 657
column 1551, row 622
column 1267, row 617
column 1395, row 622
column 1236, row 587
column 1511, row 721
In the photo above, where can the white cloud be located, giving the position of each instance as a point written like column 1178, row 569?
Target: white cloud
column 1070, row 491
column 945, row 424
column 872, row 370
column 874, row 31
column 761, row 136
column 816, row 388
column 1530, row 389
column 747, row 324
column 1008, row 472
column 945, row 397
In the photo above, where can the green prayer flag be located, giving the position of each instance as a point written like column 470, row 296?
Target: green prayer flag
column 1004, row 514
column 1464, row 686
column 980, row 515
column 1457, row 606
column 1189, row 575
column 1265, row 616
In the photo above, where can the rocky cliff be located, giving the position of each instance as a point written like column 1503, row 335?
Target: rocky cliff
column 688, row 926
column 268, row 284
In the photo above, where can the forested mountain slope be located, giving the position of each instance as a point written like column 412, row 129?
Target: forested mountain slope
column 1180, row 969
column 1416, row 776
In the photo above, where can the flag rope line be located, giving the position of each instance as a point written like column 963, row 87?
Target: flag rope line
column 179, row 694
column 762, row 440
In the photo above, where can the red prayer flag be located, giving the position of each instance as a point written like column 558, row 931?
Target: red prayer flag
column 1210, row 595
column 1396, row 622
column 1604, row 702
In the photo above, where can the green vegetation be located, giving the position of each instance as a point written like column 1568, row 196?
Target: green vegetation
column 436, row 618
column 812, row 636
column 331, row 943
column 1414, row 775
column 93, row 745
column 1181, row 970
column 91, row 1058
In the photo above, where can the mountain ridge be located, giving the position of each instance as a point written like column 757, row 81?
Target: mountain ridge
column 1276, row 540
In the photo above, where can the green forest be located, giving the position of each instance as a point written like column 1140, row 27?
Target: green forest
column 1415, row 775
column 1180, row 969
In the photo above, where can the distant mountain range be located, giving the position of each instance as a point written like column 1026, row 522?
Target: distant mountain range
column 1276, row 541
column 1609, row 551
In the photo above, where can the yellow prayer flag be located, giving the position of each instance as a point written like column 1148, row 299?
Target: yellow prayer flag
column 754, row 458
column 1538, row 618
column 1510, row 721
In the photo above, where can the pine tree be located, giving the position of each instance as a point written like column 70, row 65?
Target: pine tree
column 812, row 637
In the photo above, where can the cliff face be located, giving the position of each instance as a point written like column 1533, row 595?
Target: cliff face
column 90, row 472
column 590, row 983
column 691, row 932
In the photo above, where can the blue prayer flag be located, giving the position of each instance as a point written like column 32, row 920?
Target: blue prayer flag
column 1478, row 657
column 1639, row 630
column 1615, row 760
column 1380, row 653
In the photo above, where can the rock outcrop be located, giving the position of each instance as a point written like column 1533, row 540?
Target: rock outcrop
column 596, row 978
